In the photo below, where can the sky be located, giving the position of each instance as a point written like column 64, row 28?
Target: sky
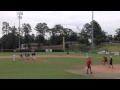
column 108, row 20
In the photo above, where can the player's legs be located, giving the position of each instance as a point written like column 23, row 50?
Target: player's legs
column 87, row 69
column 21, row 57
column 104, row 62
column 35, row 57
column 90, row 69
column 13, row 59
column 112, row 64
column 28, row 57
column 32, row 57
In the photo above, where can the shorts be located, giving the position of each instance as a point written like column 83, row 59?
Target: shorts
column 105, row 61
column 89, row 66
column 110, row 63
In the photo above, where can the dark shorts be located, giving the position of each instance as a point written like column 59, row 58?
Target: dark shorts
column 89, row 66
column 105, row 61
column 110, row 63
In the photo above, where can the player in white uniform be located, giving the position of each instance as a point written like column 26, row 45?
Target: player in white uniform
column 86, row 55
column 13, row 57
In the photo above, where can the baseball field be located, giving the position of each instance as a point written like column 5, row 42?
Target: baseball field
column 57, row 65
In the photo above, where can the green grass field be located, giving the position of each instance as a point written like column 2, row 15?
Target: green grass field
column 54, row 68
column 112, row 47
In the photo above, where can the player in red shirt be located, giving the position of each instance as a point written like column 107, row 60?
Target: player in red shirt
column 105, row 60
column 89, row 65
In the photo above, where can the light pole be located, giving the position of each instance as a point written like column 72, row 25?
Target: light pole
column 19, row 13
column 92, row 33
column 63, row 43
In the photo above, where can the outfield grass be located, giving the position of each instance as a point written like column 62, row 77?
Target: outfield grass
column 40, row 53
column 55, row 68
column 111, row 47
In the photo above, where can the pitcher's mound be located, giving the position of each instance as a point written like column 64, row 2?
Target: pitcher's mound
column 99, row 71
column 105, row 68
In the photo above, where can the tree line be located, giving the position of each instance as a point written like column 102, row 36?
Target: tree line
column 10, row 38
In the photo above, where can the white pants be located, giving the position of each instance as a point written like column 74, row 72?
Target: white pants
column 13, row 59
column 34, row 57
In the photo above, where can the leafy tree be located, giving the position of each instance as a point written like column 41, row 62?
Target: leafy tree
column 32, row 38
column 67, row 47
column 8, row 40
column 109, row 38
column 73, row 37
column 26, row 29
column 58, row 32
column 13, row 36
column 14, row 30
column 41, row 29
column 117, row 34
column 98, row 34
column 40, row 40
column 5, row 28
column 55, row 34
column 85, row 34
column 0, row 44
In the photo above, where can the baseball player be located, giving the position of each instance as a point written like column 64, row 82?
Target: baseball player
column 86, row 55
column 111, row 62
column 13, row 57
column 105, row 60
column 89, row 65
